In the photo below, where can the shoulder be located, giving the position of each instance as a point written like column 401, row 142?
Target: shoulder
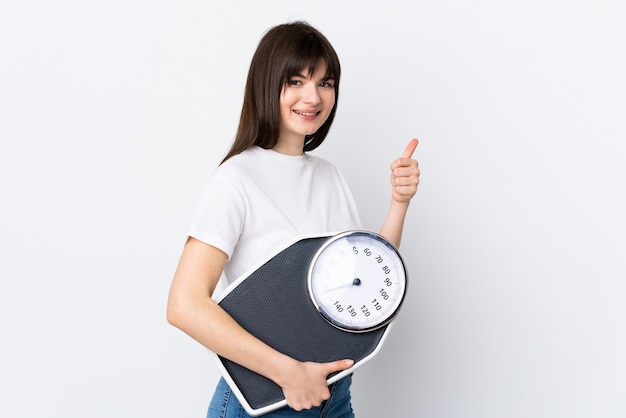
column 235, row 166
column 325, row 168
column 321, row 162
column 255, row 164
column 238, row 160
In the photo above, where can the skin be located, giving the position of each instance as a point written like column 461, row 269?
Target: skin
column 306, row 102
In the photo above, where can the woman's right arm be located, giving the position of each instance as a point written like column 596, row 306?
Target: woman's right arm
column 191, row 308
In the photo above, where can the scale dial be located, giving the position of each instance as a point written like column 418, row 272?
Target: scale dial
column 357, row 281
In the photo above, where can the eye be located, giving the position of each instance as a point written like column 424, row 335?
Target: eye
column 327, row 83
column 295, row 82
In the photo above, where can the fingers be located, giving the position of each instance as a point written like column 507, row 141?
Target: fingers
column 398, row 181
column 339, row 365
column 307, row 387
column 405, row 168
column 405, row 160
column 405, row 174
column 410, row 148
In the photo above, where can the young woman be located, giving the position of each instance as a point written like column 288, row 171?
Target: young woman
column 267, row 191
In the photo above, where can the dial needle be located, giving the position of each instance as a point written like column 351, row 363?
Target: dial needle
column 355, row 282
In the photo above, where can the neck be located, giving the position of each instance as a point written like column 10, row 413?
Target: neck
column 290, row 147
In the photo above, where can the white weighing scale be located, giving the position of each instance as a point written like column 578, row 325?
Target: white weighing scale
column 323, row 298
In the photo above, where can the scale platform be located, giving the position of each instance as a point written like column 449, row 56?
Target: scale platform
column 272, row 302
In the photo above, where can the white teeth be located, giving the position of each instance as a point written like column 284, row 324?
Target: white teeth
column 306, row 113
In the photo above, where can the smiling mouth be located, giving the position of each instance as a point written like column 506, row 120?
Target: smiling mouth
column 306, row 113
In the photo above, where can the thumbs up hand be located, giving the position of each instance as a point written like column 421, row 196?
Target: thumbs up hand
column 405, row 175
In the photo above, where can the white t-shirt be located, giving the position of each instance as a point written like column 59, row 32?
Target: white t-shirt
column 259, row 201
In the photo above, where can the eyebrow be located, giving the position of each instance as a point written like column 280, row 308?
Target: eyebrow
column 329, row 77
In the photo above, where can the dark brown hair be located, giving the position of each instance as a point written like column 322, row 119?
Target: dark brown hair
column 282, row 53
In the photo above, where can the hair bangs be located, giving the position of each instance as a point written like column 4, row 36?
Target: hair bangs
column 308, row 54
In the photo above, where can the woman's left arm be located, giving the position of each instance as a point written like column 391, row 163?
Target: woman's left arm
column 405, row 176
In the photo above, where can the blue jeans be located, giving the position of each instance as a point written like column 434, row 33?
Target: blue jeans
column 226, row 405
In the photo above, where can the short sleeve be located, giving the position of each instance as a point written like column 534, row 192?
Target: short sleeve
column 219, row 216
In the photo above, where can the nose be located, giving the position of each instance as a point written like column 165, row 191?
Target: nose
column 310, row 94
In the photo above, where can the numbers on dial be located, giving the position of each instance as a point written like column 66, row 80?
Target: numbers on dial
column 357, row 281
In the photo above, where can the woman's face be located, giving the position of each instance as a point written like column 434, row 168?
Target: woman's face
column 305, row 103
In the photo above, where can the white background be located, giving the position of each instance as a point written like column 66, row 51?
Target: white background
column 113, row 113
